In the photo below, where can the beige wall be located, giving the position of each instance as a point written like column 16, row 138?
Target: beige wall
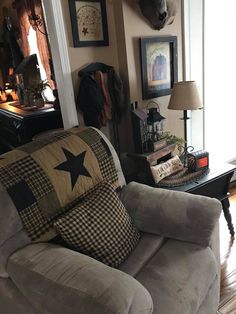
column 136, row 27
column 126, row 25
column 80, row 57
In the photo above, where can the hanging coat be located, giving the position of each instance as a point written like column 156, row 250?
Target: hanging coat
column 94, row 97
column 90, row 101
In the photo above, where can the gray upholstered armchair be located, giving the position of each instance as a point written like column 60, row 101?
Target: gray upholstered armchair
column 172, row 268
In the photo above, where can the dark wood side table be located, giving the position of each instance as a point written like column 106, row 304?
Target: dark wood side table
column 141, row 163
column 214, row 184
column 18, row 126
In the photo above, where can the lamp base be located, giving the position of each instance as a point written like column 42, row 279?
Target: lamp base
column 185, row 118
column 184, row 156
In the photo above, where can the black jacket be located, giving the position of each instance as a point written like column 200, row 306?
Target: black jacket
column 90, row 98
column 90, row 101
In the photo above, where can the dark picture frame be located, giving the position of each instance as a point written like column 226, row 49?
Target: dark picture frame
column 159, row 65
column 89, row 23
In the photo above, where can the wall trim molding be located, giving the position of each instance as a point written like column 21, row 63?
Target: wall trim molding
column 186, row 40
column 193, row 46
column 59, row 48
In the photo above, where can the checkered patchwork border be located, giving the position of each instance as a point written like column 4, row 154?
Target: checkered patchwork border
column 89, row 135
column 32, row 219
column 27, row 183
column 108, row 170
column 26, row 169
column 100, row 227
column 37, row 232
column 102, row 153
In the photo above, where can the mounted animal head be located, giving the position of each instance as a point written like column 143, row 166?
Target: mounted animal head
column 159, row 12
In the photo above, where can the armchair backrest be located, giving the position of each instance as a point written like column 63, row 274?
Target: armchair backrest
column 45, row 178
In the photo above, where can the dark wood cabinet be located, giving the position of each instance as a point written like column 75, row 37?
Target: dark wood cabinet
column 18, row 126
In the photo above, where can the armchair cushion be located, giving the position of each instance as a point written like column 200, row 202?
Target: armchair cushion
column 179, row 276
column 58, row 280
column 100, row 227
column 173, row 214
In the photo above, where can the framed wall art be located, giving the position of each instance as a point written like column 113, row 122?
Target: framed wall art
column 159, row 65
column 89, row 22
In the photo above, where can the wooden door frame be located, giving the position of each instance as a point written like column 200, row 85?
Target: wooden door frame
column 61, row 62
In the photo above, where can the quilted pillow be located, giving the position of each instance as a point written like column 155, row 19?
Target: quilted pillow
column 100, row 227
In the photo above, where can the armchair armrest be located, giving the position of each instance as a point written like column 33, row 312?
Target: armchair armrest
column 58, row 280
column 173, row 214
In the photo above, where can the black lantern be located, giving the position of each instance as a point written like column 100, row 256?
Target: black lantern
column 154, row 121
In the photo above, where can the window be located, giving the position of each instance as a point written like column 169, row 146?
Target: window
column 219, row 86
column 34, row 38
column 211, row 62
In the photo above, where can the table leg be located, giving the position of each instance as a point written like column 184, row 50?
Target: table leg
column 226, row 205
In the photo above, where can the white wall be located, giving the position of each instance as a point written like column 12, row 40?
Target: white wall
column 220, row 67
column 211, row 62
column 193, row 52
column 60, row 56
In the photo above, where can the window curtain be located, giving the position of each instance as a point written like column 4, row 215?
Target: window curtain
column 25, row 9
column 24, row 25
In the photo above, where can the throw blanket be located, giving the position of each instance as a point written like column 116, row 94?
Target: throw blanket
column 46, row 178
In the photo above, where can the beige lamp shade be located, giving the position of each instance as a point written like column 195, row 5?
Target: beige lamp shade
column 185, row 96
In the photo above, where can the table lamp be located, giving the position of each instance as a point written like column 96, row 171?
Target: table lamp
column 185, row 97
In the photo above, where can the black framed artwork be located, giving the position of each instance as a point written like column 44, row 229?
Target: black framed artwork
column 159, row 65
column 89, row 23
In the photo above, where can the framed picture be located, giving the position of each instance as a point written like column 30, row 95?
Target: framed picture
column 159, row 65
column 89, row 22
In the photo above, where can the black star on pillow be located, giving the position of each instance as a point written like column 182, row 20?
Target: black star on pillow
column 74, row 165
